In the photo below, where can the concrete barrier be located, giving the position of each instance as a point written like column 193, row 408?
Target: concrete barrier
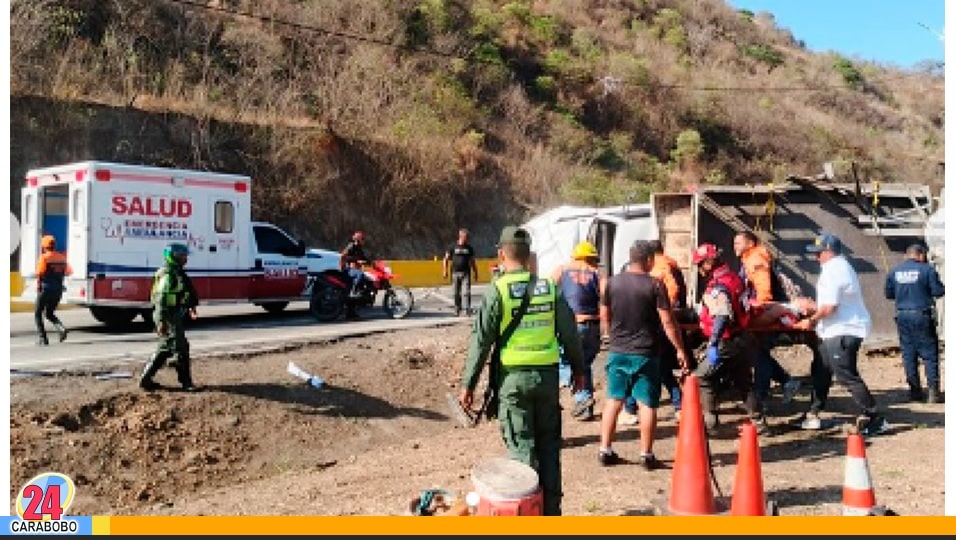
column 428, row 273
column 410, row 274
column 16, row 289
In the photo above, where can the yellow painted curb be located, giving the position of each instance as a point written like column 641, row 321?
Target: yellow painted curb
column 16, row 289
column 428, row 273
column 412, row 273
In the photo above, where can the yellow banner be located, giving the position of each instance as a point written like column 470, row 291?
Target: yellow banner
column 647, row 525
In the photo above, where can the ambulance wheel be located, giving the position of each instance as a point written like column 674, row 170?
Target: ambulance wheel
column 274, row 307
column 113, row 316
column 327, row 302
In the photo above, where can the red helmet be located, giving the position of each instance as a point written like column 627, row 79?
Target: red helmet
column 704, row 252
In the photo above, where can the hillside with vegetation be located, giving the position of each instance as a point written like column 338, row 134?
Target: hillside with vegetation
column 412, row 118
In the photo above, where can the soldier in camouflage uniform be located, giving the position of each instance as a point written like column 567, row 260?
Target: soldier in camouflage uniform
column 529, row 409
column 174, row 299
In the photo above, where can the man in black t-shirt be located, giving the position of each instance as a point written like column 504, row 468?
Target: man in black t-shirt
column 634, row 309
column 463, row 267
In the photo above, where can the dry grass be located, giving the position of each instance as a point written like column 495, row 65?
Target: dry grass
column 649, row 69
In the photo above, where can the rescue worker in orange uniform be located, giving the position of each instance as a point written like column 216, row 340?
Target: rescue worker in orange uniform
column 668, row 271
column 755, row 269
column 52, row 269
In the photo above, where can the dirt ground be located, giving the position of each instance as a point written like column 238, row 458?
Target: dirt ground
column 257, row 441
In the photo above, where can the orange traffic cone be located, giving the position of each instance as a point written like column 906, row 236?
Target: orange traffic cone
column 858, row 496
column 691, row 493
column 748, row 497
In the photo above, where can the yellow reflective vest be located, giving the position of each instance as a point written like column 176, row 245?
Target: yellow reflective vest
column 169, row 291
column 534, row 342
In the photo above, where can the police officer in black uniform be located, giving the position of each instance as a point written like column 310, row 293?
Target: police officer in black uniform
column 914, row 285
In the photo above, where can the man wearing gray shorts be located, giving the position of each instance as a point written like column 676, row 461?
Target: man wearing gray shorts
column 634, row 308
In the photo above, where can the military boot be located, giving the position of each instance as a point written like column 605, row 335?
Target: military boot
column 916, row 394
column 935, row 395
column 184, row 373
column 155, row 363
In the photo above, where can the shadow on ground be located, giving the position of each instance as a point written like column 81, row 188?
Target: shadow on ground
column 329, row 400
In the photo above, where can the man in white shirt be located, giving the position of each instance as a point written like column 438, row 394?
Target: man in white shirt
column 842, row 322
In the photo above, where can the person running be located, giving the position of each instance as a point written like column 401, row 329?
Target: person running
column 52, row 269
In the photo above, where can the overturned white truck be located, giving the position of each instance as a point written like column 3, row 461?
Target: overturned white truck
column 876, row 224
column 611, row 229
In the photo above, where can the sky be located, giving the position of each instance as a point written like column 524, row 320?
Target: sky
column 901, row 33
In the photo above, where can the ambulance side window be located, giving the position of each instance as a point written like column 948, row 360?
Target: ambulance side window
column 224, row 217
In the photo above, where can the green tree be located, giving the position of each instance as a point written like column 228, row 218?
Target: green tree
column 689, row 147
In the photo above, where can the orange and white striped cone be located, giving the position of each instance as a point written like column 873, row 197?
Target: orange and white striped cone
column 858, row 496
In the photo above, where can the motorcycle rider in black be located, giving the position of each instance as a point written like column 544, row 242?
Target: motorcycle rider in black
column 351, row 261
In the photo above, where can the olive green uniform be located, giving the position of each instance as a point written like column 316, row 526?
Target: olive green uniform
column 529, row 411
column 172, row 295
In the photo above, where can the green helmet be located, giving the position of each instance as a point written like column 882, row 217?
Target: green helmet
column 174, row 250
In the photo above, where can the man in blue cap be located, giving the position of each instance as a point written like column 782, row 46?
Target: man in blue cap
column 842, row 322
column 174, row 298
column 914, row 286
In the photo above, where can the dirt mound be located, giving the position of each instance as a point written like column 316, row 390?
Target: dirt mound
column 133, row 451
column 259, row 441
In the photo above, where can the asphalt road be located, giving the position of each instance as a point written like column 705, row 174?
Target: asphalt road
column 219, row 330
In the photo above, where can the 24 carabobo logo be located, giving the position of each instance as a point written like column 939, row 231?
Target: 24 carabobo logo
column 46, row 497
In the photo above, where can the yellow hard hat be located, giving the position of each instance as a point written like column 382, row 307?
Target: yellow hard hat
column 585, row 250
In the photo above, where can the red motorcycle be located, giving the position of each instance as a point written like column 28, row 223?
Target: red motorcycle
column 331, row 290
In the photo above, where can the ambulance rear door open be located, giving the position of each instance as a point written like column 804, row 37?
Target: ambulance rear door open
column 78, row 246
column 54, row 202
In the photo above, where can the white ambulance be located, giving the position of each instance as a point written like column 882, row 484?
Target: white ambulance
column 114, row 220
